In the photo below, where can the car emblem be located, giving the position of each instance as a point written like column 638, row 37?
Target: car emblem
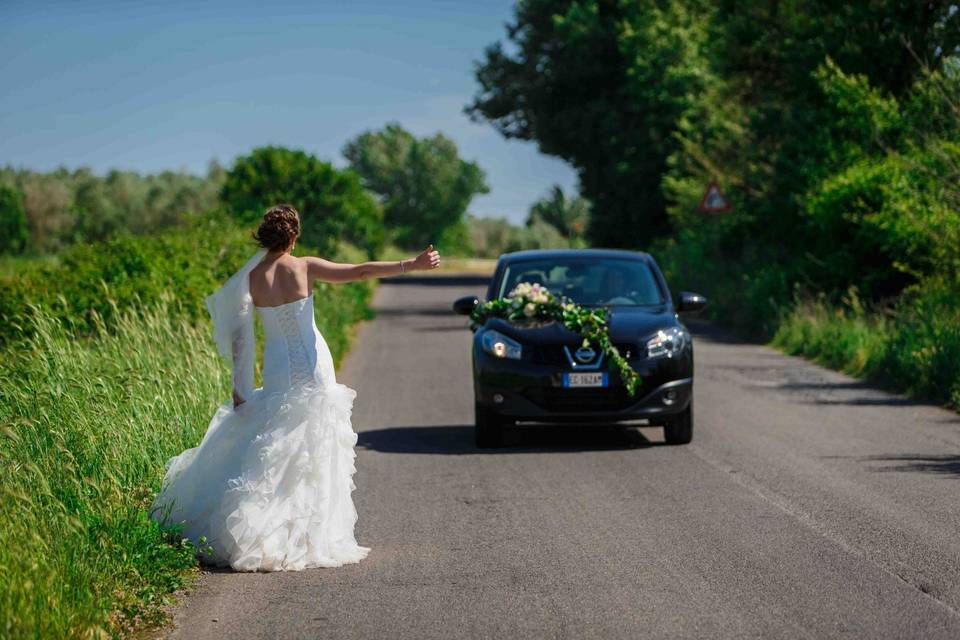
column 585, row 354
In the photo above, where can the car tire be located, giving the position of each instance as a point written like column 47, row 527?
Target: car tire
column 488, row 428
column 679, row 428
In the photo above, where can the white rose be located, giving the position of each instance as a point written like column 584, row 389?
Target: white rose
column 521, row 290
column 530, row 310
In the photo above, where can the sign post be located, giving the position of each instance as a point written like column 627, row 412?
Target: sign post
column 713, row 200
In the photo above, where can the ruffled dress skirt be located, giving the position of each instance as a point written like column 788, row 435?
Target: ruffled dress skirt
column 269, row 487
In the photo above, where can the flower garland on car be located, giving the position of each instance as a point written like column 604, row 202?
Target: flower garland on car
column 529, row 302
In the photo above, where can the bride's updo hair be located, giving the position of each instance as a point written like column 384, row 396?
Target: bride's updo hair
column 280, row 227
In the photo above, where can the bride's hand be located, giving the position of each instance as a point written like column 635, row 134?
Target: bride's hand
column 428, row 259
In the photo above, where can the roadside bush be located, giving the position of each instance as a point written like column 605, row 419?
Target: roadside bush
column 845, row 337
column 912, row 347
column 89, row 283
column 923, row 353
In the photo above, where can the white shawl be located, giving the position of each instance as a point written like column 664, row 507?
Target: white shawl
column 231, row 309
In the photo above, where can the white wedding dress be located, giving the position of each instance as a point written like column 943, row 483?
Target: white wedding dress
column 270, row 484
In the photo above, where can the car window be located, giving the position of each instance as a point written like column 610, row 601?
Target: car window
column 588, row 281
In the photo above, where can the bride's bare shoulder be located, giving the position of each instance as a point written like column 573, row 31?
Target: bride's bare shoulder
column 285, row 262
column 293, row 263
column 283, row 268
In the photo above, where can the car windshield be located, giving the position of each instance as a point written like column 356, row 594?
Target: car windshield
column 586, row 281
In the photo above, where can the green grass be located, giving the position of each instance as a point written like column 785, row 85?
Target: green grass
column 86, row 424
column 86, row 427
column 850, row 341
column 913, row 347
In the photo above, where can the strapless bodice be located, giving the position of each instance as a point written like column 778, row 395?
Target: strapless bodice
column 294, row 353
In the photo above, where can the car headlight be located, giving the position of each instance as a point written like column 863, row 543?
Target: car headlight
column 668, row 342
column 499, row 345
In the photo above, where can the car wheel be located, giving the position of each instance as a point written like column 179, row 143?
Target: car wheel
column 679, row 429
column 488, row 429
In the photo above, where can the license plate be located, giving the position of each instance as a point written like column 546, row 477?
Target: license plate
column 572, row 380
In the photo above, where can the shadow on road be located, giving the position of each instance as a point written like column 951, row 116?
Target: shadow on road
column 443, row 328
column 940, row 464
column 790, row 377
column 872, row 395
column 458, row 439
column 872, row 401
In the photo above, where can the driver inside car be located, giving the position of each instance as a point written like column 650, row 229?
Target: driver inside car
column 613, row 287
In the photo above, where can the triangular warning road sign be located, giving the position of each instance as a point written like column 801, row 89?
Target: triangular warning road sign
column 713, row 200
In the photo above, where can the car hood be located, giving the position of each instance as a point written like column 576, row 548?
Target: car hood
column 627, row 324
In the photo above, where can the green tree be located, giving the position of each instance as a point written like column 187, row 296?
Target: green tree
column 601, row 84
column 490, row 237
column 96, row 216
column 333, row 204
column 889, row 215
column 785, row 136
column 424, row 185
column 64, row 207
column 14, row 231
column 806, row 122
column 568, row 215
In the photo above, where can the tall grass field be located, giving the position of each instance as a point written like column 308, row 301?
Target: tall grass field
column 93, row 401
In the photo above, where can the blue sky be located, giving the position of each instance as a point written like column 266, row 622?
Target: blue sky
column 170, row 85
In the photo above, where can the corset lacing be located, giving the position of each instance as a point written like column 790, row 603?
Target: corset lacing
column 300, row 371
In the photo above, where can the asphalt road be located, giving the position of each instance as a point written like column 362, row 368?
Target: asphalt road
column 808, row 506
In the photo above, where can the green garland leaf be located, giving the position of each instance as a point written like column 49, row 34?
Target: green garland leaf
column 529, row 302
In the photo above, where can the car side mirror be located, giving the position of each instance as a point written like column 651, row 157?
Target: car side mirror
column 465, row 305
column 690, row 301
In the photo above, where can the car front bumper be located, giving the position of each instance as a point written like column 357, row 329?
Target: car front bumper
column 517, row 390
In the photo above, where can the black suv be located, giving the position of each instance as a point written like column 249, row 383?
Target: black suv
column 544, row 373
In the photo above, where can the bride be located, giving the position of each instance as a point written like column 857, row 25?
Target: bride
column 269, row 487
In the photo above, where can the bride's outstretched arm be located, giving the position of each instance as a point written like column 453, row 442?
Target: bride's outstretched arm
column 326, row 271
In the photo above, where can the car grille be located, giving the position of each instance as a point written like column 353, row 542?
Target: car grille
column 553, row 353
column 562, row 400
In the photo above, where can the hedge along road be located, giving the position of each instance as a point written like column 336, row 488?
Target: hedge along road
column 808, row 505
